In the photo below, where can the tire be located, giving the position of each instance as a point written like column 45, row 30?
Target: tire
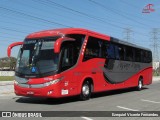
column 85, row 91
column 140, row 84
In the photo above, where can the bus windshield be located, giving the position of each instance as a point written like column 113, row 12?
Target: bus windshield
column 37, row 57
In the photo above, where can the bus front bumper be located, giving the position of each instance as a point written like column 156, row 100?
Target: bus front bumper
column 48, row 91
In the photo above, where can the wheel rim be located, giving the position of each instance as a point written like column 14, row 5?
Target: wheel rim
column 140, row 84
column 85, row 90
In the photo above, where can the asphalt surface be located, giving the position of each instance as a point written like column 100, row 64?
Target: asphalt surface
column 147, row 99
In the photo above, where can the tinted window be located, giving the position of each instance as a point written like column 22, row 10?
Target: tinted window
column 129, row 53
column 93, row 48
column 143, row 58
column 117, row 55
column 114, row 51
column 77, row 44
column 121, row 52
column 67, row 60
column 110, row 51
column 137, row 55
column 67, row 57
column 70, row 51
column 149, row 56
column 146, row 56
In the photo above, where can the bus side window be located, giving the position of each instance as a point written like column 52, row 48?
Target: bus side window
column 121, row 52
column 129, row 53
column 149, row 57
column 117, row 52
column 137, row 55
column 67, row 57
column 110, row 51
column 79, row 38
column 146, row 55
column 93, row 48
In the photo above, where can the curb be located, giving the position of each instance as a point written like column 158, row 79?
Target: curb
column 4, row 83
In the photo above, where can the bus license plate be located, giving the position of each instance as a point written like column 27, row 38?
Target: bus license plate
column 30, row 92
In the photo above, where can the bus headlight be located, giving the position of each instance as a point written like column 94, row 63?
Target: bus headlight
column 52, row 82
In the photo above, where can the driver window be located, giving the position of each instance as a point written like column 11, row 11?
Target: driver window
column 67, row 57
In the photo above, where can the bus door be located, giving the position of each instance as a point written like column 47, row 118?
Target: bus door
column 68, row 59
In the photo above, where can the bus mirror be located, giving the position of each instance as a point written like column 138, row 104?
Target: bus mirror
column 11, row 46
column 58, row 43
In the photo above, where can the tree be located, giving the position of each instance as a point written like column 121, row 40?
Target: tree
column 8, row 63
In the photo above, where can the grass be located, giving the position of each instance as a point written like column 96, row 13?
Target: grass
column 7, row 78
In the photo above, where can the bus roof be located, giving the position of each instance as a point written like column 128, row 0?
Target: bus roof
column 63, row 31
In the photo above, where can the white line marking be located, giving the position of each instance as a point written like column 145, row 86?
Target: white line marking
column 86, row 118
column 149, row 101
column 127, row 108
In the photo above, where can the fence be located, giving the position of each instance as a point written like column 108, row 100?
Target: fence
column 7, row 73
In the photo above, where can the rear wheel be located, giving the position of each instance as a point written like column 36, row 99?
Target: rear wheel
column 140, row 84
column 85, row 91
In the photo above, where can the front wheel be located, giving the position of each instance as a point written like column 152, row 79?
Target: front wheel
column 85, row 91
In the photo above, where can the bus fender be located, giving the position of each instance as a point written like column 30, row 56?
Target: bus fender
column 90, row 79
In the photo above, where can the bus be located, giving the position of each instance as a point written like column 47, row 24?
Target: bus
column 74, row 61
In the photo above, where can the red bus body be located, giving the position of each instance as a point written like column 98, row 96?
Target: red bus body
column 72, row 79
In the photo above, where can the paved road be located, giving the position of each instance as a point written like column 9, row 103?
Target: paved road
column 121, row 100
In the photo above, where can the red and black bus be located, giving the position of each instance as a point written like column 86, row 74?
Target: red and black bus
column 72, row 61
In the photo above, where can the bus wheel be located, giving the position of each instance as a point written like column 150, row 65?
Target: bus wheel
column 140, row 84
column 85, row 91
